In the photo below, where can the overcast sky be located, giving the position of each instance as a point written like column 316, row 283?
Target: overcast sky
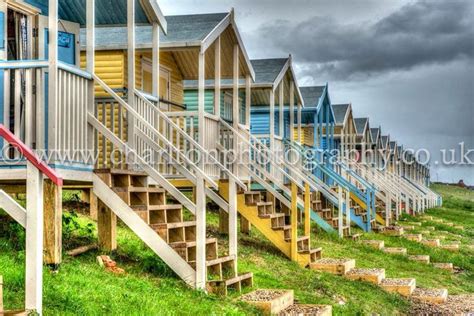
column 407, row 64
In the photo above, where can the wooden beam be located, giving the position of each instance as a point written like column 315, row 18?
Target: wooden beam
column 53, row 213
column 217, row 75
column 11, row 206
column 292, row 111
column 34, row 236
column 248, row 99
column 106, row 227
column 299, row 122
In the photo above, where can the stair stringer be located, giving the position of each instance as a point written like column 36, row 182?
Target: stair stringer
column 264, row 226
column 144, row 232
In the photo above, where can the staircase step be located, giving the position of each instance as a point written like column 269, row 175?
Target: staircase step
column 187, row 250
column 163, row 214
column 395, row 251
column 370, row 275
column 121, row 172
column 403, row 287
column 445, row 266
column 414, row 237
column 420, row 258
column 139, row 189
column 377, row 244
column 452, row 247
column 434, row 296
column 431, row 242
column 270, row 302
column 220, row 260
column 221, row 287
column 334, row 266
column 393, row 231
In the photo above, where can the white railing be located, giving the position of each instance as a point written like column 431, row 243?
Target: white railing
column 25, row 113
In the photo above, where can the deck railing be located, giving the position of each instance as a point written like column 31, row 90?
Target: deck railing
column 27, row 114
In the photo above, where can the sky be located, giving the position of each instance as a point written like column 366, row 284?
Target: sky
column 408, row 65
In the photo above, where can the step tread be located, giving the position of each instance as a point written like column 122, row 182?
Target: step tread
column 273, row 215
column 165, row 207
column 188, row 244
column 220, row 260
column 174, row 225
column 132, row 189
column 121, row 172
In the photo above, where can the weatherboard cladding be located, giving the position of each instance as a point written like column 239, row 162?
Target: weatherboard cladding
column 267, row 70
column 340, row 111
column 108, row 12
column 181, row 28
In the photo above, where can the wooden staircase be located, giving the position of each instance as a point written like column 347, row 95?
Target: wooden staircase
column 167, row 220
column 260, row 212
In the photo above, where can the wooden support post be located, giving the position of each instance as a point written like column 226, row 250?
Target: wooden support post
column 106, row 227
column 223, row 222
column 34, row 238
column 299, row 123
column 272, row 124
column 248, row 99
column 245, row 226
column 89, row 197
column 348, row 208
column 294, row 221
column 232, row 183
column 388, row 208
column 90, row 67
column 292, row 111
column 201, row 271
column 156, row 60
column 217, row 75
column 131, row 70
column 340, row 215
column 53, row 216
column 307, row 211
column 281, row 101
column 53, row 75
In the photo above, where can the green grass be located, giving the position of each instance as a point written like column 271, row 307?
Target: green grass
column 150, row 287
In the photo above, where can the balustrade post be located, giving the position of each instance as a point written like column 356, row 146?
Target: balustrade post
column 307, row 210
column 294, row 221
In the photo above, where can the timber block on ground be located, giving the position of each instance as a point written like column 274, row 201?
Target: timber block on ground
column 431, row 242
column 377, row 244
column 393, row 231
column 428, row 218
column 374, row 275
column 433, row 296
column 408, row 227
column 222, row 287
column 414, row 237
column 270, row 302
column 451, row 247
column 430, row 228
column 425, row 232
column 355, row 237
column 420, row 258
column 459, row 227
column 445, row 266
column 307, row 310
column 416, row 224
column 334, row 266
column 401, row 286
column 395, row 251
column 438, row 220
column 449, row 224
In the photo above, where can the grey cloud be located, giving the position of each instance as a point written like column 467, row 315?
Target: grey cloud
column 421, row 33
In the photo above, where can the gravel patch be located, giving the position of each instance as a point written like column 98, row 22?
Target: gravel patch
column 262, row 295
column 456, row 305
column 397, row 281
column 367, row 271
column 332, row 261
column 303, row 309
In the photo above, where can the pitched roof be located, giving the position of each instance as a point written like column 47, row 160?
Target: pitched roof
column 392, row 145
column 375, row 133
column 311, row 95
column 267, row 70
column 181, row 28
column 340, row 111
column 384, row 141
column 360, row 123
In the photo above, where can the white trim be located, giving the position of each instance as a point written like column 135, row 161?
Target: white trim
column 215, row 33
column 15, row 210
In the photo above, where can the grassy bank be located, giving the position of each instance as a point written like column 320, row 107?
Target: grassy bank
column 150, row 287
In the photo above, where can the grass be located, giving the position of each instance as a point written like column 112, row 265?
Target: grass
column 150, row 287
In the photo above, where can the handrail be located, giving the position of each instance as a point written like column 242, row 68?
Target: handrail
column 135, row 114
column 30, row 156
column 274, row 164
column 23, row 64
column 193, row 142
column 74, row 70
